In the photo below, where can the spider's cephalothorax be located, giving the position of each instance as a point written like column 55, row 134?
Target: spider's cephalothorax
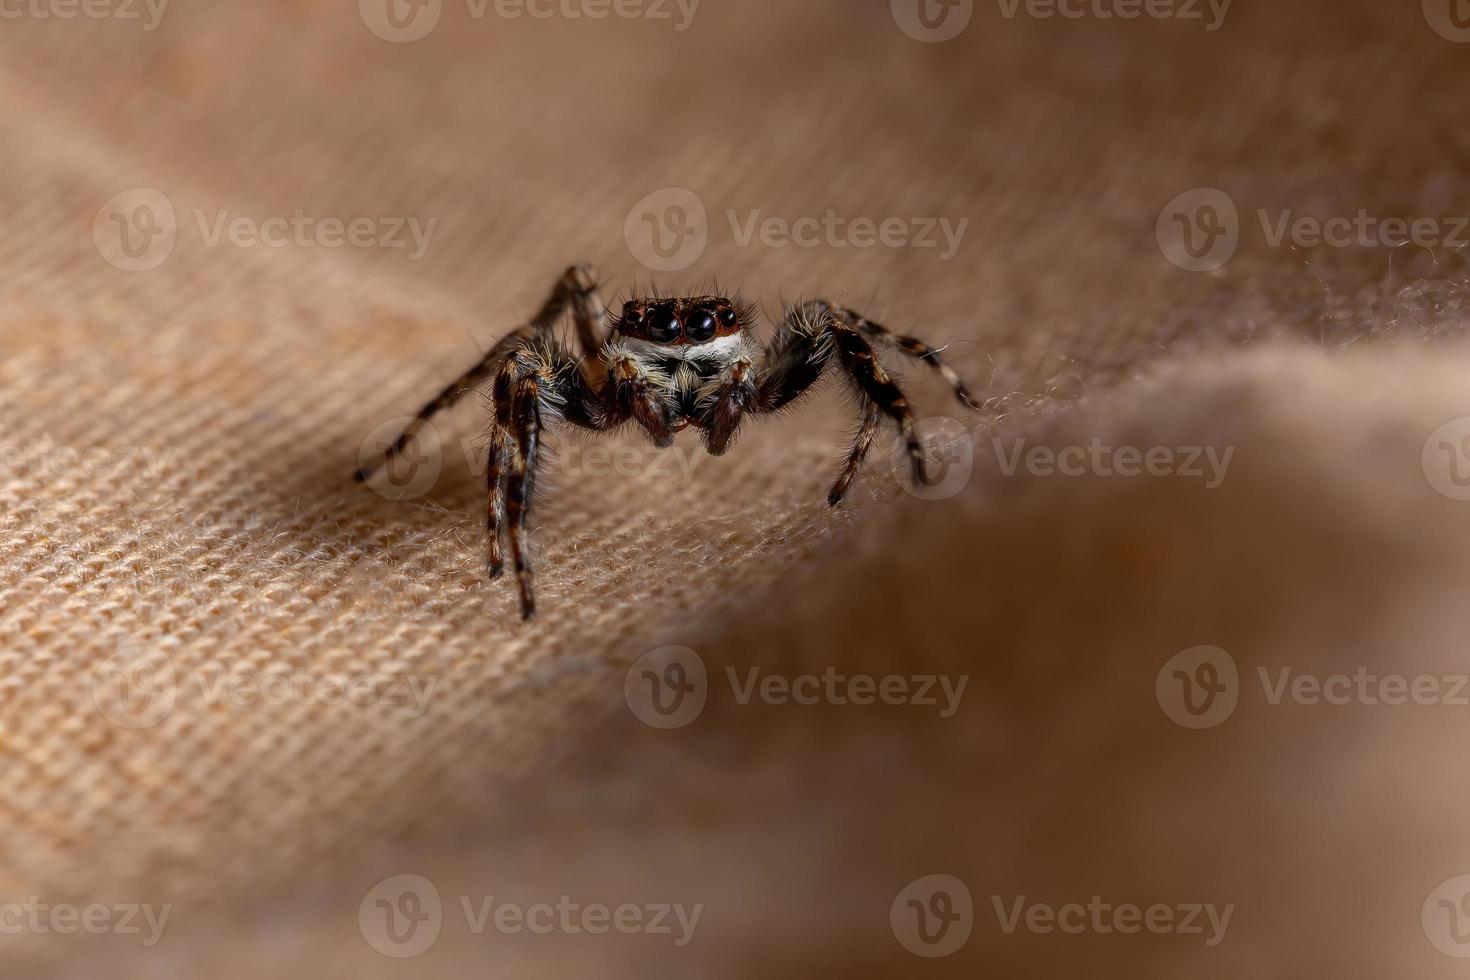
column 664, row 364
column 674, row 358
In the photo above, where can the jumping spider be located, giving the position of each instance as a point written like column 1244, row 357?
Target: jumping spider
column 666, row 364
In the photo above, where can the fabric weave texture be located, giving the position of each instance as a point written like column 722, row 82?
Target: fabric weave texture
column 177, row 444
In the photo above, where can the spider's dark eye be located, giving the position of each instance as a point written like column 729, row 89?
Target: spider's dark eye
column 632, row 316
column 699, row 326
column 727, row 317
column 663, row 326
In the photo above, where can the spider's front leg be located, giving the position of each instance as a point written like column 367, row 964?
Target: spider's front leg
column 723, row 402
column 535, row 383
column 636, row 391
column 523, row 443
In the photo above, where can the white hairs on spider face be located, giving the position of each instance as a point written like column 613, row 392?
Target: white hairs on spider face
column 719, row 349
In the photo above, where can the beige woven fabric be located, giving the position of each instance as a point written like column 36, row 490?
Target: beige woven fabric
column 177, row 442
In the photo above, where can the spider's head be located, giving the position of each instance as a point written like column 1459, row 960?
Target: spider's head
column 689, row 321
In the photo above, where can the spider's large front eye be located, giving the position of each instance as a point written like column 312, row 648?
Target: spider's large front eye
column 699, row 326
column 663, row 326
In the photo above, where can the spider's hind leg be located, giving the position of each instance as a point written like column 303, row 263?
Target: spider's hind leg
column 861, row 444
column 860, row 360
column 913, row 347
column 805, row 344
column 575, row 290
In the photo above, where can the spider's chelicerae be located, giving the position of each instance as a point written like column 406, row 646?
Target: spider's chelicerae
column 666, row 364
